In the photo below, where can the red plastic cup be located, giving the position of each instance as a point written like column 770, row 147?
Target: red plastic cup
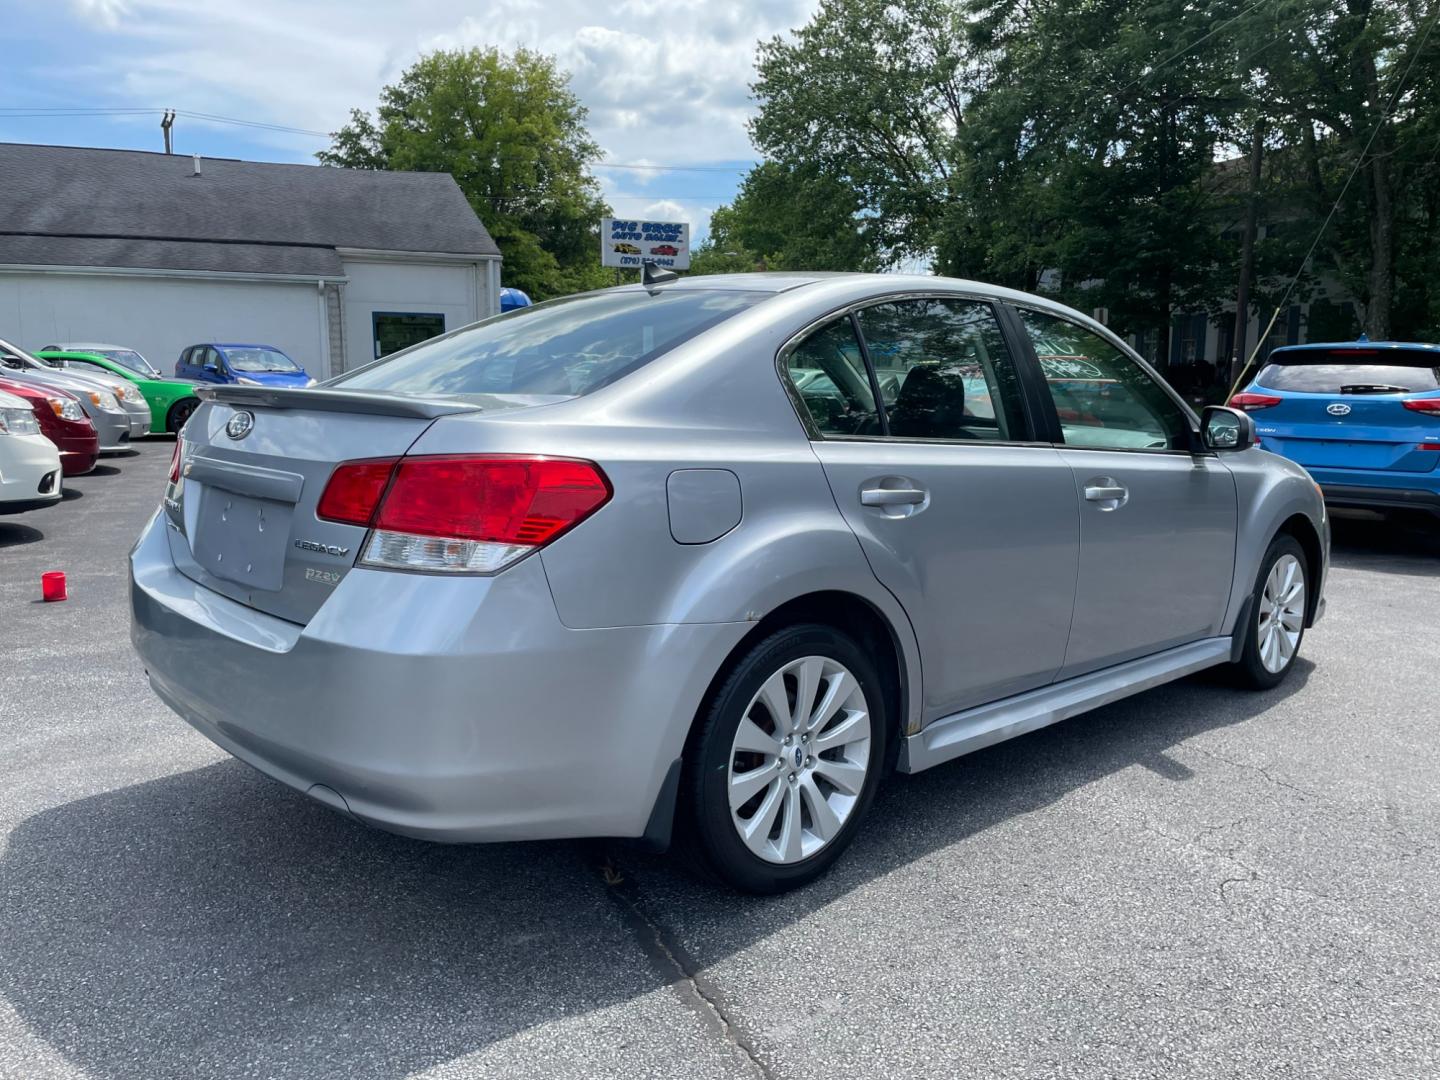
column 52, row 586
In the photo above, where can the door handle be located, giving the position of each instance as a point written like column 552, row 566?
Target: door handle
column 1100, row 493
column 892, row 497
column 1108, row 492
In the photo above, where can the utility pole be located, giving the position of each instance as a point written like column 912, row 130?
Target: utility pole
column 1247, row 254
column 166, row 123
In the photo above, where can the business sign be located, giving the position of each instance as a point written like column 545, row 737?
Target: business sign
column 629, row 243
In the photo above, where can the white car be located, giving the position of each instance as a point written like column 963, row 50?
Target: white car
column 29, row 462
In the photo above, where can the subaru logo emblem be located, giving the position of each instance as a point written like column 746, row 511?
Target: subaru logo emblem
column 799, row 757
column 1338, row 409
column 241, row 423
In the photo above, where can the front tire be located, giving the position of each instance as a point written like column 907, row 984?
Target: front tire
column 1276, row 623
column 179, row 413
column 786, row 760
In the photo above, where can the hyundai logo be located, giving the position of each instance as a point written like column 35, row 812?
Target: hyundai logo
column 1339, row 408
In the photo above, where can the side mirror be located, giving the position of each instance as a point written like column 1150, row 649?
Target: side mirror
column 1223, row 428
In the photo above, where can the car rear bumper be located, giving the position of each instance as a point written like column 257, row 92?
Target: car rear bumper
column 1381, row 498
column 455, row 709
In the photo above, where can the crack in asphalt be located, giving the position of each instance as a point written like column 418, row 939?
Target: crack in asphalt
column 669, row 960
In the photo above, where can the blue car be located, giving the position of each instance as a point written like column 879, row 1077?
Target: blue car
column 1362, row 416
column 248, row 365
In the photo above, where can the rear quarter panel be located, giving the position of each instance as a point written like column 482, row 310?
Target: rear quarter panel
column 716, row 402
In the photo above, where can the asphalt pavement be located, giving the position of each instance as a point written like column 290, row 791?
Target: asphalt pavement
column 1197, row 882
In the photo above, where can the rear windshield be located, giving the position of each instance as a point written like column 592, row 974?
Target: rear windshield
column 1351, row 371
column 563, row 348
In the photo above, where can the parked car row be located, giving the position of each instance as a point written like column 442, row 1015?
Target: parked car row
column 63, row 406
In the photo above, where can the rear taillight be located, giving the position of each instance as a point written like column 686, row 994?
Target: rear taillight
column 175, row 462
column 1250, row 402
column 475, row 514
column 1423, row 405
column 354, row 491
column 1428, row 446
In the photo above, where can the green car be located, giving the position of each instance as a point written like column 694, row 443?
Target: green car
column 171, row 400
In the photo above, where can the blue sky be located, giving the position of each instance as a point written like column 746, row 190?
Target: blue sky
column 666, row 81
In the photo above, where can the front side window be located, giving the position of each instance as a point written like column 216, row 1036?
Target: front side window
column 943, row 370
column 828, row 373
column 561, row 349
column 1103, row 398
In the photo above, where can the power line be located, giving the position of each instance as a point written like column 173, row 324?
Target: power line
column 1191, row 47
column 21, row 111
column 1354, row 169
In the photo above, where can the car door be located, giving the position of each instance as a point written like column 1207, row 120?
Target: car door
column 1157, row 515
column 967, row 521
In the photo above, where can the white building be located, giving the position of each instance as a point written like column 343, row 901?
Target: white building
column 157, row 252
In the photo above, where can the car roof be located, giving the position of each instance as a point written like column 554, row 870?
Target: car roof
column 238, row 345
column 87, row 346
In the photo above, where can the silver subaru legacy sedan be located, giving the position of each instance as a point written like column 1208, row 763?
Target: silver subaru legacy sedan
column 708, row 557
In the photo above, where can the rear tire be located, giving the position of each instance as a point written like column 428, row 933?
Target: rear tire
column 786, row 761
column 1275, row 626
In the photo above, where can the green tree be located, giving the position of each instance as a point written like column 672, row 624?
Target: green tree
column 788, row 218
column 1356, row 87
column 511, row 132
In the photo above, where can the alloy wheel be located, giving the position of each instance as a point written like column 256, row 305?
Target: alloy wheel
column 1282, row 614
column 799, row 759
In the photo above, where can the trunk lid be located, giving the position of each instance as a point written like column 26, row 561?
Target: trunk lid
column 1344, row 407
column 254, row 463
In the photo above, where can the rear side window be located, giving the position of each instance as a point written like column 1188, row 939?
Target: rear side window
column 560, row 349
column 1352, row 371
column 828, row 372
column 943, row 370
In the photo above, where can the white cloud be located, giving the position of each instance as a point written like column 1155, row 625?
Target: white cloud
column 664, row 80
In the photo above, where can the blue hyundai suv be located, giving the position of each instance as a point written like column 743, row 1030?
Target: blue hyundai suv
column 249, row 365
column 1362, row 416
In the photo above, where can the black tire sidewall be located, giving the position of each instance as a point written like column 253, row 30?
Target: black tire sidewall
column 173, row 420
column 1251, row 668
column 710, row 827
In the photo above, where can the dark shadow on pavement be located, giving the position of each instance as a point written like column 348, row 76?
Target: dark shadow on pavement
column 109, row 470
column 70, row 494
column 13, row 534
column 1394, row 544
column 215, row 924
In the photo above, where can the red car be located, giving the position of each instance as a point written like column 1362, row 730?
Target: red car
column 63, row 423
column 665, row 249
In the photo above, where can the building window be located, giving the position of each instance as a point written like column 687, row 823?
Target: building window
column 396, row 330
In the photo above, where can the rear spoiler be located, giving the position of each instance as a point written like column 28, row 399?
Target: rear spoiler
column 348, row 401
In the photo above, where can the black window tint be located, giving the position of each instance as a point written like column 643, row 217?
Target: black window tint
column 827, row 371
column 1103, row 398
column 943, row 370
column 562, row 348
column 1336, row 372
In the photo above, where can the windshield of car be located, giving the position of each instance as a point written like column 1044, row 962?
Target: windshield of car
column 563, row 348
column 130, row 360
column 254, row 359
column 1338, row 371
column 15, row 357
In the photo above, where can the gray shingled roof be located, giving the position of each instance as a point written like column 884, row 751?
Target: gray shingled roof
column 76, row 206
